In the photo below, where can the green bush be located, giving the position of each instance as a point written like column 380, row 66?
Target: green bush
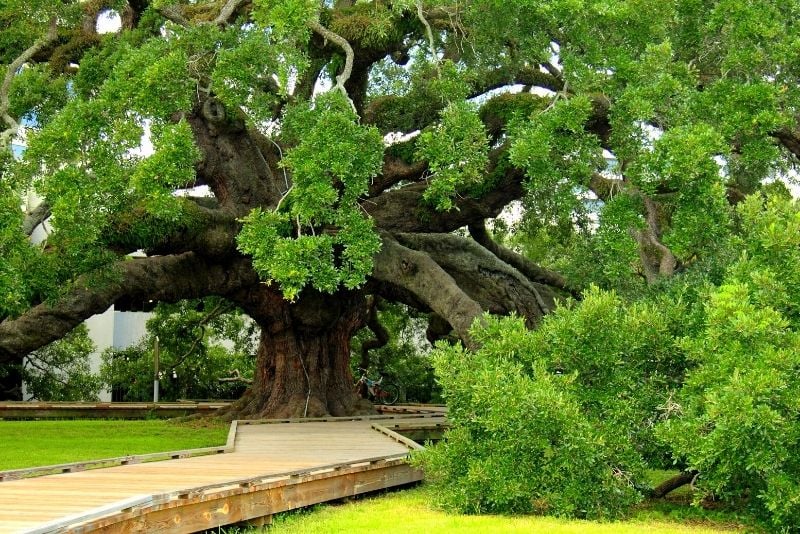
column 737, row 418
column 625, row 363
column 520, row 441
column 737, row 421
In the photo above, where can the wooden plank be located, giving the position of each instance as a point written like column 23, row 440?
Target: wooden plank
column 117, row 410
column 413, row 445
column 206, row 512
column 279, row 454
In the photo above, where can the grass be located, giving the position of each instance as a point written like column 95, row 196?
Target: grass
column 411, row 511
column 38, row 443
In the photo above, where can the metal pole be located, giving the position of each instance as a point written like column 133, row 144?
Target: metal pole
column 155, row 365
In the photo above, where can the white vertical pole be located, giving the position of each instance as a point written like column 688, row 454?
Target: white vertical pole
column 155, row 376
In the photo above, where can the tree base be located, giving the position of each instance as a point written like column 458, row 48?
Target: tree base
column 295, row 407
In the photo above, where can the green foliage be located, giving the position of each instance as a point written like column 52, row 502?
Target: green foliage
column 558, row 157
column 287, row 19
column 417, row 95
column 456, row 150
column 405, row 359
column 553, row 146
column 736, row 422
column 60, row 371
column 200, row 341
column 253, row 70
column 624, row 360
column 35, row 94
column 331, row 166
column 519, row 440
column 609, row 256
column 771, row 264
column 736, row 416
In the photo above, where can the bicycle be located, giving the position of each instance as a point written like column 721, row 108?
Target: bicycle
column 377, row 390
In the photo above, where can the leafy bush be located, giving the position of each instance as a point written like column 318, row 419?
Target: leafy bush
column 737, row 421
column 624, row 361
column 736, row 418
column 520, row 440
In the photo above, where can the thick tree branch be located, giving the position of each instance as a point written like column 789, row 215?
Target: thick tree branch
column 681, row 479
column 210, row 233
column 163, row 278
column 497, row 286
column 395, row 170
column 232, row 164
column 173, row 14
column 35, row 217
column 530, row 76
column 426, row 280
column 404, row 210
column 534, row 272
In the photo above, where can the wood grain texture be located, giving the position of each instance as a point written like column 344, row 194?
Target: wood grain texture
column 272, row 468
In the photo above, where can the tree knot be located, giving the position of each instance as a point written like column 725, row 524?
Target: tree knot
column 408, row 267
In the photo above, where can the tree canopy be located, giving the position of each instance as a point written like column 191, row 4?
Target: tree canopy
column 342, row 144
column 305, row 161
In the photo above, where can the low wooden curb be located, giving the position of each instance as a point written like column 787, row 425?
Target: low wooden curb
column 104, row 410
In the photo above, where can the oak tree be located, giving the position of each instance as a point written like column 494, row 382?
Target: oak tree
column 343, row 145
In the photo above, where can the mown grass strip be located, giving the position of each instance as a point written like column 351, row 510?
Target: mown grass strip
column 39, row 443
column 411, row 511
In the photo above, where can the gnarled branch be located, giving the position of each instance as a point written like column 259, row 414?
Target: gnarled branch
column 418, row 273
column 165, row 278
column 334, row 37
column 498, row 287
column 534, row 272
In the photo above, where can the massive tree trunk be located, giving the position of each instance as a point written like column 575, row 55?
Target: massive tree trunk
column 303, row 363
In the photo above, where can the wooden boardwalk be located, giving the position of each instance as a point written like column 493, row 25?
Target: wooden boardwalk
column 272, row 467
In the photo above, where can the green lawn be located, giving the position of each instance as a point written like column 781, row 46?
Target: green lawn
column 411, row 512
column 37, row 443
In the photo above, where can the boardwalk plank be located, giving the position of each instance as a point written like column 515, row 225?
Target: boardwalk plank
column 259, row 450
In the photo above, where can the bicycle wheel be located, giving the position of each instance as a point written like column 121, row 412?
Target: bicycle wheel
column 388, row 394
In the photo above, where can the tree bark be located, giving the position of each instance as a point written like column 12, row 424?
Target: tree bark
column 671, row 484
column 303, row 362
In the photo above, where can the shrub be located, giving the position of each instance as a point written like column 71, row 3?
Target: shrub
column 738, row 418
column 520, row 441
column 625, row 362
